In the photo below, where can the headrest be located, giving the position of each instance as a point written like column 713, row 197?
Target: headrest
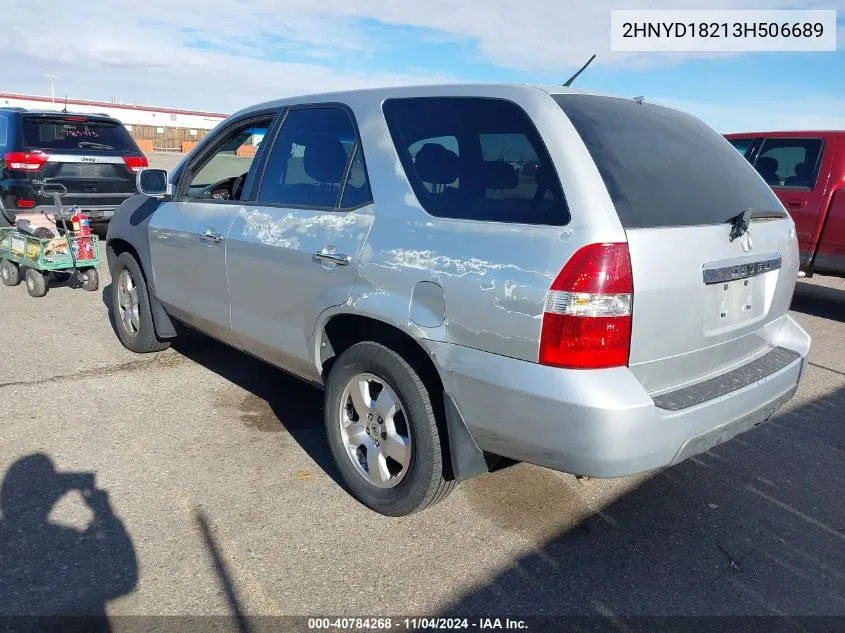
column 325, row 158
column 803, row 170
column 767, row 164
column 437, row 165
column 498, row 174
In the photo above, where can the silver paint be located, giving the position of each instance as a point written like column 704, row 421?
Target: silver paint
column 262, row 289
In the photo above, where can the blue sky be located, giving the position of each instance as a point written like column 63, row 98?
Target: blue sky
column 221, row 55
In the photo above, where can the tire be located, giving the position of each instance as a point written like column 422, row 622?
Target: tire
column 4, row 221
column 420, row 483
column 90, row 279
column 36, row 283
column 10, row 273
column 137, row 334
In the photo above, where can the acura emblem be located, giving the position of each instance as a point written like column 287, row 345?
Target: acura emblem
column 745, row 240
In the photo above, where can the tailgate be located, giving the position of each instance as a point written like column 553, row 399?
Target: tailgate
column 89, row 178
column 703, row 303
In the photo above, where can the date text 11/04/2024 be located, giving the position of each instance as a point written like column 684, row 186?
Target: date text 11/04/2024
column 722, row 29
column 414, row 624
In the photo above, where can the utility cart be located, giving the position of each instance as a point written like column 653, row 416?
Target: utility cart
column 36, row 255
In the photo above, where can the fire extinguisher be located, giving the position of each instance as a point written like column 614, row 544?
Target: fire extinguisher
column 81, row 224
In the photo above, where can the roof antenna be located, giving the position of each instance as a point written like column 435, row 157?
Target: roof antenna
column 639, row 100
column 575, row 76
column 65, row 108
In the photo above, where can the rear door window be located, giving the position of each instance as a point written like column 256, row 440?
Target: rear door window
column 789, row 162
column 4, row 130
column 310, row 160
column 476, row 158
column 76, row 134
column 663, row 167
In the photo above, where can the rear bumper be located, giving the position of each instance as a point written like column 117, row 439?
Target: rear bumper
column 602, row 423
column 98, row 206
column 95, row 213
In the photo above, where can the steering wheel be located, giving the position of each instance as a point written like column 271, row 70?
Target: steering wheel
column 220, row 190
column 238, row 186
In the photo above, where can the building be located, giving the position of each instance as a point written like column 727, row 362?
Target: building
column 155, row 129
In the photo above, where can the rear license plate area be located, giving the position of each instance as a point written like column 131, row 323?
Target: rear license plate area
column 88, row 171
column 83, row 170
column 735, row 303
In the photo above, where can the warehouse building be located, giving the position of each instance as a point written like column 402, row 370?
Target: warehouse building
column 155, row 129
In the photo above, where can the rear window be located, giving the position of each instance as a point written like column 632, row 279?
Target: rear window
column 789, row 162
column 476, row 158
column 662, row 167
column 63, row 133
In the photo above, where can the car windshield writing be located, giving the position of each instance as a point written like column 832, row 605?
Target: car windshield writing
column 67, row 134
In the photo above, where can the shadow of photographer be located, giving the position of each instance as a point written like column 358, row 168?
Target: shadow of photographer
column 55, row 577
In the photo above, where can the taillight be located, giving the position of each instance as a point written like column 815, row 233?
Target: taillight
column 25, row 161
column 25, row 204
column 587, row 315
column 135, row 163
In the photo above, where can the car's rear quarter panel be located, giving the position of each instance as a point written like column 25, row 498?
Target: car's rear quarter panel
column 494, row 275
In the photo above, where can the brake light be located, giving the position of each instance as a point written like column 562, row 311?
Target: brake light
column 25, row 161
column 587, row 314
column 135, row 163
column 25, row 204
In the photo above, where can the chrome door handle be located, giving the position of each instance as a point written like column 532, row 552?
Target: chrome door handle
column 333, row 258
column 210, row 236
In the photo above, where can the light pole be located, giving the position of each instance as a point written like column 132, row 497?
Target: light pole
column 52, row 92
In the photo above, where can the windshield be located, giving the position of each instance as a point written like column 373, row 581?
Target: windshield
column 75, row 133
column 663, row 167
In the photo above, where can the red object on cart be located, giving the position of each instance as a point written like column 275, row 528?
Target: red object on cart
column 82, row 232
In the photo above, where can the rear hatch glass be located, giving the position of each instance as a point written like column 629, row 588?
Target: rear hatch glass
column 663, row 167
column 76, row 134
column 88, row 155
column 677, row 185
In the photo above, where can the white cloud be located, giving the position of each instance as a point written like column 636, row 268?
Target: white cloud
column 149, row 52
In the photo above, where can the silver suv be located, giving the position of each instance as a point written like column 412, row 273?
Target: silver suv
column 592, row 284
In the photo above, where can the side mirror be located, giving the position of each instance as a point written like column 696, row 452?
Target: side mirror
column 153, row 183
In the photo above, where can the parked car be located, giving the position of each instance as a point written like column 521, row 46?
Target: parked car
column 608, row 318
column 807, row 172
column 92, row 155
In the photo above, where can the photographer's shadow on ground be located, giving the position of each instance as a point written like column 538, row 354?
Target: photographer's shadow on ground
column 49, row 571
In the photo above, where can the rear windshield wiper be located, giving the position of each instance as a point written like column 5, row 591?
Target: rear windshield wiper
column 740, row 222
column 93, row 145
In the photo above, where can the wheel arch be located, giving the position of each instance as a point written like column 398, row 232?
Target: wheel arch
column 340, row 330
column 128, row 233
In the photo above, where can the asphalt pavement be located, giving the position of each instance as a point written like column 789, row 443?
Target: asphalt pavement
column 222, row 498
